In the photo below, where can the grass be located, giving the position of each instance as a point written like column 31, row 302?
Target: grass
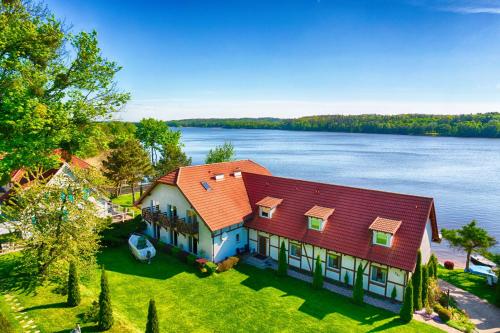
column 125, row 200
column 475, row 284
column 240, row 300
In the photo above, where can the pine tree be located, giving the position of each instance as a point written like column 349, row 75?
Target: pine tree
column 406, row 312
column 152, row 326
column 425, row 284
column 417, row 283
column 73, row 286
column 357, row 293
column 318, row 274
column 282, row 264
column 105, row 320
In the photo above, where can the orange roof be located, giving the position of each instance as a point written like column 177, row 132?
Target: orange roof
column 226, row 203
column 269, row 202
column 320, row 212
column 385, row 225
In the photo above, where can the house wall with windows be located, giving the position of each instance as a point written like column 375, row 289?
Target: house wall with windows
column 377, row 278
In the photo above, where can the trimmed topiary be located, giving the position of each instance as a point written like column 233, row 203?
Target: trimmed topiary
column 105, row 321
column 417, row 283
column 425, row 285
column 317, row 282
column 73, row 286
column 152, row 325
column 433, row 266
column 394, row 293
column 282, row 264
column 346, row 279
column 357, row 293
column 406, row 312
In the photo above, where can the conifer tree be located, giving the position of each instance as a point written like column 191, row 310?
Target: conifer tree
column 73, row 286
column 318, row 274
column 425, row 284
column 152, row 326
column 394, row 293
column 417, row 283
column 357, row 293
column 406, row 312
column 282, row 264
column 105, row 319
column 432, row 266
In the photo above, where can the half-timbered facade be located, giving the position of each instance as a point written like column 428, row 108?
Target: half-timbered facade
column 221, row 209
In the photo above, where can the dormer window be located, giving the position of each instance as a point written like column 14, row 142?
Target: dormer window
column 317, row 217
column 219, row 177
column 267, row 206
column 383, row 231
column 237, row 174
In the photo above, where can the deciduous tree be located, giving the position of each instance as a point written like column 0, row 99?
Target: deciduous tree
column 154, row 134
column 54, row 84
column 470, row 238
column 224, row 153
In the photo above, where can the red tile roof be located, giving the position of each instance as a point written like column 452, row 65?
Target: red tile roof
column 320, row 212
column 269, row 202
column 385, row 225
column 226, row 203
column 348, row 229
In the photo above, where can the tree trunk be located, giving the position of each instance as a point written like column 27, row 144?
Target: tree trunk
column 468, row 260
column 133, row 193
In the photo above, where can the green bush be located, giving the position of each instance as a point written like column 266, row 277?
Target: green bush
column 357, row 293
column 443, row 313
column 317, row 282
column 105, row 318
column 73, row 286
column 175, row 251
column 5, row 326
column 211, row 267
column 152, row 325
column 191, row 259
column 282, row 262
column 227, row 264
column 91, row 315
column 406, row 312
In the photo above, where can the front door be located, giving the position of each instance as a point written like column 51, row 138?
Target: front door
column 262, row 245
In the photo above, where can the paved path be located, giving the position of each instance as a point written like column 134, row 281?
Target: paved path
column 484, row 315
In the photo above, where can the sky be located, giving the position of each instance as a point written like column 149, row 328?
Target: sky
column 263, row 58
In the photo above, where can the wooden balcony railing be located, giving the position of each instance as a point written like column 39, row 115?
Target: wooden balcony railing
column 179, row 224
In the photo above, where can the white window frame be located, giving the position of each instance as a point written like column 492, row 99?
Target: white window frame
column 267, row 210
column 328, row 261
column 381, row 268
column 294, row 244
column 389, row 238
column 321, row 223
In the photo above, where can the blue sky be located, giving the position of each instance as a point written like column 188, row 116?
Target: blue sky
column 208, row 58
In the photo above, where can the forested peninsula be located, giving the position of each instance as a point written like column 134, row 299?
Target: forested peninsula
column 486, row 125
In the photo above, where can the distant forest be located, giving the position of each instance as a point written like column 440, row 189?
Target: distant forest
column 486, row 125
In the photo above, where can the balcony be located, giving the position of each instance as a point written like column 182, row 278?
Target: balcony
column 154, row 215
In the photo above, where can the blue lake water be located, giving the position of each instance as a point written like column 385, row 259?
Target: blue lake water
column 461, row 174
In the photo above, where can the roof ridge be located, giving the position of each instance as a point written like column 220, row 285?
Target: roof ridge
column 344, row 186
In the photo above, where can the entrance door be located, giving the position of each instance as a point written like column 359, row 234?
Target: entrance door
column 175, row 238
column 262, row 245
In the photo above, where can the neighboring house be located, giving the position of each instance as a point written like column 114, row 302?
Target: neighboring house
column 218, row 210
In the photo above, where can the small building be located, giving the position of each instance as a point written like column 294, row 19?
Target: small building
column 218, row 210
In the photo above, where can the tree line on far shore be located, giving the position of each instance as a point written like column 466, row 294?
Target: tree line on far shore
column 485, row 125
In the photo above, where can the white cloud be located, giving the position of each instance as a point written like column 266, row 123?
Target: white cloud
column 181, row 109
column 462, row 6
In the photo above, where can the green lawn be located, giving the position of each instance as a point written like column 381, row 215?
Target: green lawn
column 241, row 300
column 125, row 200
column 475, row 284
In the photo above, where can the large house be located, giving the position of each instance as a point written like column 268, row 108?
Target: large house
column 218, row 210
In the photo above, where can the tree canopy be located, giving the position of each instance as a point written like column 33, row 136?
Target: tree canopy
column 224, row 153
column 470, row 238
column 171, row 158
column 54, row 85
column 154, row 135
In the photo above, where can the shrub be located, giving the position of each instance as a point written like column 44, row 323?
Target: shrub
column 394, row 293
column 191, row 259
column 167, row 248
column 105, row 318
column 406, row 312
column 425, row 284
column 417, row 283
column 182, row 255
column 443, row 313
column 152, row 325
column 91, row 315
column 73, row 286
column 346, row 279
column 357, row 293
column 227, row 264
column 5, row 326
column 211, row 267
column 449, row 264
column 317, row 282
column 175, row 250
column 433, row 265
column 433, row 292
column 282, row 264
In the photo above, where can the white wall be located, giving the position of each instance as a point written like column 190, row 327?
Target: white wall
column 425, row 246
column 227, row 247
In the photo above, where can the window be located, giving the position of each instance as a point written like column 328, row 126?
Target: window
column 238, row 238
column 315, row 223
column 295, row 250
column 378, row 274
column 191, row 216
column 381, row 238
column 333, row 261
column 206, row 186
column 265, row 212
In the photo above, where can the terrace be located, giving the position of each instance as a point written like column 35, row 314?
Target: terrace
column 155, row 215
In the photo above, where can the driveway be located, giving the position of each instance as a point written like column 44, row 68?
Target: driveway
column 484, row 315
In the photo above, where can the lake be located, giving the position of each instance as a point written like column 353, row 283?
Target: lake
column 461, row 174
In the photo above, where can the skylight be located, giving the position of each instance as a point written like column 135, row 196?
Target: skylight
column 206, row 186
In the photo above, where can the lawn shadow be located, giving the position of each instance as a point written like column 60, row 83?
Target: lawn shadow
column 390, row 324
column 316, row 303
column 92, row 328
column 12, row 278
column 58, row 305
